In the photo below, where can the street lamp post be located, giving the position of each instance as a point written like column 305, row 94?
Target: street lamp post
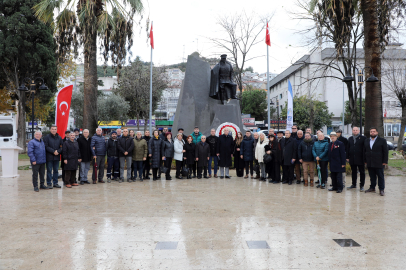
column 277, row 106
column 33, row 87
column 372, row 78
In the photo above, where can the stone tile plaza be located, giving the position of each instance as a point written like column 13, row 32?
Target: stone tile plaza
column 120, row 226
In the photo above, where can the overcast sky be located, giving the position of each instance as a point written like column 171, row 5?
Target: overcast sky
column 180, row 28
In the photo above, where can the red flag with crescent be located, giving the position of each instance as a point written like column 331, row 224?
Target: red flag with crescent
column 268, row 36
column 151, row 37
column 63, row 101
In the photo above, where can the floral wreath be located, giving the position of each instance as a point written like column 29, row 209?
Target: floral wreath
column 233, row 128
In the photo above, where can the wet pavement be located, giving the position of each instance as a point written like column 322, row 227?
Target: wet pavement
column 212, row 223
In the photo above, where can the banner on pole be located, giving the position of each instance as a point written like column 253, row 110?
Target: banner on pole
column 289, row 120
column 63, row 101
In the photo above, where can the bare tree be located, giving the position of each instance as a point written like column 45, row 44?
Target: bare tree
column 394, row 79
column 242, row 32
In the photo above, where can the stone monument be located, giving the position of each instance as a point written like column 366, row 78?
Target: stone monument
column 197, row 108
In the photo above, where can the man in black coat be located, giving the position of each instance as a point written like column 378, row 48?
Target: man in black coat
column 336, row 157
column 53, row 146
column 125, row 153
column 289, row 150
column 376, row 158
column 212, row 140
column 113, row 163
column 147, row 165
column 355, row 156
column 247, row 153
column 278, row 156
column 345, row 142
column 86, row 155
column 298, row 171
column 225, row 148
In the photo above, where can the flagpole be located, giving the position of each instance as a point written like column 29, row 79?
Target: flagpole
column 267, row 87
column 150, row 96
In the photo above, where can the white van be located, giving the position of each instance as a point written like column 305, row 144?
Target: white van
column 8, row 131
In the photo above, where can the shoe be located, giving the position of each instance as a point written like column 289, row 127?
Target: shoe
column 317, row 182
column 285, row 182
column 57, row 186
column 323, row 186
column 86, row 182
column 370, row 190
column 82, row 183
column 298, row 182
column 44, row 187
column 221, row 177
column 252, row 177
column 108, row 181
column 154, row 179
column 318, row 186
column 339, row 191
column 206, row 177
column 209, row 175
column 275, row 182
column 332, row 189
column 352, row 186
column 194, row 176
column 228, row 177
column 129, row 180
column 168, row 179
column 215, row 176
column 48, row 187
column 68, row 186
column 361, row 189
column 312, row 183
column 306, row 183
column 75, row 184
column 246, row 176
column 101, row 181
column 257, row 177
column 290, row 183
column 36, row 189
column 382, row 193
column 120, row 181
column 94, row 182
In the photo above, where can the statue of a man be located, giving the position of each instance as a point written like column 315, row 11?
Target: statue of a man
column 222, row 86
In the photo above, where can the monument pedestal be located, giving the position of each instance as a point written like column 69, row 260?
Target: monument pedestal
column 229, row 112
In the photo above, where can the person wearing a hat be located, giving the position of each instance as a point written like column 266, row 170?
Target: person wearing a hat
column 77, row 134
column 336, row 155
column 113, row 162
column 344, row 140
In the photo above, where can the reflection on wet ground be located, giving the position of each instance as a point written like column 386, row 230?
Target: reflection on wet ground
column 121, row 226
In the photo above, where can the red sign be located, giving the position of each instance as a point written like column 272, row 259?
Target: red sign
column 248, row 121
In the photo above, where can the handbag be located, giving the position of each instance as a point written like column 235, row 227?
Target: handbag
column 185, row 170
column 267, row 158
column 163, row 169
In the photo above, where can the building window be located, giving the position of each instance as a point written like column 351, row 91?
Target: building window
column 280, row 96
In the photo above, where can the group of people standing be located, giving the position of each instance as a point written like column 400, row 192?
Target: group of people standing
column 299, row 154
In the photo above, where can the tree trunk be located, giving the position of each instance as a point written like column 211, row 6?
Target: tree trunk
column 21, row 130
column 90, row 85
column 373, row 92
column 402, row 128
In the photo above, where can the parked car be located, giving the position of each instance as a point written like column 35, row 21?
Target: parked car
column 395, row 146
column 390, row 145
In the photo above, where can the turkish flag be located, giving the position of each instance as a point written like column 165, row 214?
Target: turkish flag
column 151, row 37
column 63, row 101
column 268, row 37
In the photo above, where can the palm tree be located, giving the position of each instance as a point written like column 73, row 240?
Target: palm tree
column 82, row 23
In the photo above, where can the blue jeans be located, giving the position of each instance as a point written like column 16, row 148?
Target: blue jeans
column 138, row 167
column 52, row 172
column 215, row 164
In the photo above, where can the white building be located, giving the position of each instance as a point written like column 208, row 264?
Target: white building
column 331, row 90
column 170, row 96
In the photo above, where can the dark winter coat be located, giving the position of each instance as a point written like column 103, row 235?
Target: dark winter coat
column 298, row 142
column 190, row 153
column 167, row 149
column 140, row 149
column 375, row 157
column 336, row 156
column 279, row 150
column 84, row 147
column 147, row 138
column 112, row 147
column 212, row 141
column 225, row 148
column 355, row 151
column 36, row 151
column 154, row 149
column 71, row 153
column 239, row 163
column 273, row 147
column 125, row 144
column 344, row 141
column 289, row 150
column 202, row 152
column 247, row 148
column 320, row 149
column 305, row 151
column 99, row 145
column 162, row 136
column 52, row 143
